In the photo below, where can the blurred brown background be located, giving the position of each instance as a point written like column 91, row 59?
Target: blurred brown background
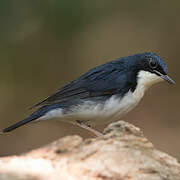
column 45, row 44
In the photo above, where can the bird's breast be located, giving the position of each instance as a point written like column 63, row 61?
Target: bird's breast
column 117, row 107
column 103, row 112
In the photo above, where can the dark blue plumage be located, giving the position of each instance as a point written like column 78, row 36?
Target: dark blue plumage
column 114, row 79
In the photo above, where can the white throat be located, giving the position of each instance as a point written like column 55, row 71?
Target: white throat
column 145, row 80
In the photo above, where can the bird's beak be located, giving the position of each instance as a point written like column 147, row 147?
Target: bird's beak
column 165, row 77
column 168, row 79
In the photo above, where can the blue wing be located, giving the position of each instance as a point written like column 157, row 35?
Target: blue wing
column 105, row 80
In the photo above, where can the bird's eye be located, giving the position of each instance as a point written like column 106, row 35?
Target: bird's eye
column 152, row 63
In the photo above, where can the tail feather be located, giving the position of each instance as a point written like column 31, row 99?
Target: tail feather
column 36, row 115
column 20, row 123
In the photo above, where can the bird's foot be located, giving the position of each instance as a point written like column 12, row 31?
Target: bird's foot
column 89, row 128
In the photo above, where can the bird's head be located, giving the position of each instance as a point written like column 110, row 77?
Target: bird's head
column 150, row 69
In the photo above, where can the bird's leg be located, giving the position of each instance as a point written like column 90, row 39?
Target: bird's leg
column 82, row 125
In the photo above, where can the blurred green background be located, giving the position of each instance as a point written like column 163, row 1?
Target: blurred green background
column 45, row 44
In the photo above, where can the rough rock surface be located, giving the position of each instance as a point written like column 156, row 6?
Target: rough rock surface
column 123, row 153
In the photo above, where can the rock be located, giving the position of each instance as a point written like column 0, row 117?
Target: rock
column 123, row 153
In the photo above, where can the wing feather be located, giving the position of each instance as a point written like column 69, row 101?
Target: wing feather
column 104, row 80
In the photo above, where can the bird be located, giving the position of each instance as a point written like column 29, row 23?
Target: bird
column 102, row 95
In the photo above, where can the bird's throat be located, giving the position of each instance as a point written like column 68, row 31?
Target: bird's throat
column 145, row 80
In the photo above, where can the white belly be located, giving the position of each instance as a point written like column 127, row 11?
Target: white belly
column 113, row 109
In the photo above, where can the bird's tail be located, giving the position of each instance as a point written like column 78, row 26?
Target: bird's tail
column 34, row 116
column 20, row 123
